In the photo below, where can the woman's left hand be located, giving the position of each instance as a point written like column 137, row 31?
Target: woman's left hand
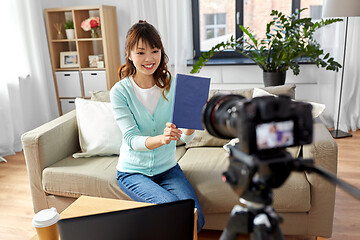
column 188, row 131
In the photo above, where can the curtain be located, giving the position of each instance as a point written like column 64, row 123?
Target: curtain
column 24, row 82
column 331, row 39
column 173, row 20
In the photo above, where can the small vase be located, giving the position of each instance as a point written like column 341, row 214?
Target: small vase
column 274, row 78
column 94, row 33
column 70, row 34
column 59, row 35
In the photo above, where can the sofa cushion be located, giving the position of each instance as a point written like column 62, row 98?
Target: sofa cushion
column 216, row 196
column 99, row 133
column 180, row 151
column 73, row 177
column 94, row 176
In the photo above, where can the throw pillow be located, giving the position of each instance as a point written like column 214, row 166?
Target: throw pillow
column 101, row 96
column 204, row 139
column 318, row 108
column 288, row 89
column 99, row 134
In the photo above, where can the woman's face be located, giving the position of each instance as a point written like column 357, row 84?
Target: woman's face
column 145, row 58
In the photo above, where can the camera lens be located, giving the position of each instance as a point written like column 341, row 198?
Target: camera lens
column 220, row 115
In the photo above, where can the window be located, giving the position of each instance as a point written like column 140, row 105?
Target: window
column 215, row 25
column 215, row 21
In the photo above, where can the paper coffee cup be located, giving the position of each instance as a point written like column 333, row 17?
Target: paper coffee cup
column 45, row 224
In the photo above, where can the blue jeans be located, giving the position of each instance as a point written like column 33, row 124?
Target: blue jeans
column 168, row 186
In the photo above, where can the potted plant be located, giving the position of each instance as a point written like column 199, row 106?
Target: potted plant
column 288, row 40
column 69, row 29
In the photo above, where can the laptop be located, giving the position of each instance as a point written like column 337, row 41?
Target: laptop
column 166, row 221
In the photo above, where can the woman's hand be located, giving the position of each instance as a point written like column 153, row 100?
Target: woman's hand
column 171, row 132
column 188, row 131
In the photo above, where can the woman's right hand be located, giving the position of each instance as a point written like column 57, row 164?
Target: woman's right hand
column 171, row 132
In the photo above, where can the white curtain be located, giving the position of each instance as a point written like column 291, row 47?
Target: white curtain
column 24, row 90
column 331, row 38
column 173, row 19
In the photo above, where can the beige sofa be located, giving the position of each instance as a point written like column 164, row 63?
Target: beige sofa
column 305, row 200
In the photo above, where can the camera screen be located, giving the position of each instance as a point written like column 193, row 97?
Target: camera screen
column 275, row 134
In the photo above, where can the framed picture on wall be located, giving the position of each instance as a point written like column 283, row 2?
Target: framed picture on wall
column 69, row 59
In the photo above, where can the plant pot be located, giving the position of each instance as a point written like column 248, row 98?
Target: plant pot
column 274, row 78
column 70, row 34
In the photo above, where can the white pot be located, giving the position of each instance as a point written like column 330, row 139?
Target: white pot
column 70, row 34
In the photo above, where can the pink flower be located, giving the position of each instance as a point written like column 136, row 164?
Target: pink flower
column 85, row 25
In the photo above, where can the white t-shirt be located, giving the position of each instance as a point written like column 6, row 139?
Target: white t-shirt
column 149, row 97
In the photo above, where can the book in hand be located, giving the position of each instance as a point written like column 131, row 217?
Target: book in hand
column 191, row 94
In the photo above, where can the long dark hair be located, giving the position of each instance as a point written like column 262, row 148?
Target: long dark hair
column 147, row 33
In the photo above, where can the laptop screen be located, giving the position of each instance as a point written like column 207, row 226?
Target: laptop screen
column 166, row 221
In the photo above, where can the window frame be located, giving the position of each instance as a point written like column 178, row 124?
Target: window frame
column 239, row 9
column 215, row 26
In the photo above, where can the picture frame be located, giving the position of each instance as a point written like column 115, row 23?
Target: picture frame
column 69, row 59
column 93, row 61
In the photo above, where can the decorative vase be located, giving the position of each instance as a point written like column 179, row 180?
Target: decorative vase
column 59, row 35
column 70, row 33
column 274, row 78
column 94, row 33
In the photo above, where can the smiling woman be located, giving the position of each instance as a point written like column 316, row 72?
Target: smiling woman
column 147, row 169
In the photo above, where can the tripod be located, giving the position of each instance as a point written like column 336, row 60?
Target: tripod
column 253, row 177
column 261, row 222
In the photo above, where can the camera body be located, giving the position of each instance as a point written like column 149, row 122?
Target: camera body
column 262, row 124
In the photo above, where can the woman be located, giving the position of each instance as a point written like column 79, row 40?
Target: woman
column 142, row 104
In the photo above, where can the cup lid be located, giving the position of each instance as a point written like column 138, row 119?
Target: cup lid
column 45, row 218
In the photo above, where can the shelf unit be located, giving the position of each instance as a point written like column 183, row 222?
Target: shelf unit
column 107, row 45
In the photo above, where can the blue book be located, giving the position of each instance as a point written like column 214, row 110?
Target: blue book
column 191, row 94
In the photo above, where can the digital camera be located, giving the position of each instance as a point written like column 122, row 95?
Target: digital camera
column 262, row 124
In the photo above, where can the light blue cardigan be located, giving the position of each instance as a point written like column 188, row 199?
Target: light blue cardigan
column 135, row 120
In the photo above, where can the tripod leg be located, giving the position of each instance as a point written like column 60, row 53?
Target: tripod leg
column 263, row 229
column 238, row 223
column 228, row 235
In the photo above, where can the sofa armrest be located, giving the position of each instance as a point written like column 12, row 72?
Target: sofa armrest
column 46, row 145
column 324, row 151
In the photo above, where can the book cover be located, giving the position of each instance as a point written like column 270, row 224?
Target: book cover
column 191, row 94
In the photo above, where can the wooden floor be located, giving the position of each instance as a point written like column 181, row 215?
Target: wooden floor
column 16, row 208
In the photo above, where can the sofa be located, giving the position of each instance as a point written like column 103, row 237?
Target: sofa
column 305, row 200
